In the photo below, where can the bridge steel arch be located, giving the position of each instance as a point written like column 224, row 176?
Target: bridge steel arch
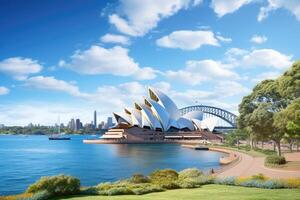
column 221, row 113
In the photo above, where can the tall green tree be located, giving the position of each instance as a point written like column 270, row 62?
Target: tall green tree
column 261, row 111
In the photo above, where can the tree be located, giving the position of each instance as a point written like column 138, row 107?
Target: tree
column 261, row 112
column 288, row 121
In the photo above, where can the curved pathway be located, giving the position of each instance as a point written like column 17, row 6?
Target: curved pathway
column 248, row 166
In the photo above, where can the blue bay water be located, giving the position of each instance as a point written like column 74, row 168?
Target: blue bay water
column 23, row 160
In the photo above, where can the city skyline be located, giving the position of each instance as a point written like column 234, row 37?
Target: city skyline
column 102, row 55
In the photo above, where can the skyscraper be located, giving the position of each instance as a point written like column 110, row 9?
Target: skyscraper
column 95, row 119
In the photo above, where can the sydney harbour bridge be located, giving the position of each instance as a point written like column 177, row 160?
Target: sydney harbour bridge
column 228, row 119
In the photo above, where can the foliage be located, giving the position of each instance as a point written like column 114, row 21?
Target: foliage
column 190, row 173
column 146, row 188
column 41, row 195
column 263, row 112
column 230, row 180
column 259, row 176
column 275, row 160
column 89, row 191
column 165, row 178
column 139, row 178
column 126, row 187
column 292, row 182
column 56, row 185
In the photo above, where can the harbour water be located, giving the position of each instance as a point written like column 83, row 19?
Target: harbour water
column 23, row 160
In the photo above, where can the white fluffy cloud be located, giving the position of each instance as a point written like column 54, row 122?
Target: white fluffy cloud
column 3, row 90
column 188, row 40
column 202, row 70
column 115, row 61
column 223, row 7
column 136, row 17
column 20, row 68
column 51, row 83
column 291, row 5
column 266, row 58
column 258, row 58
column 112, row 38
column 258, row 39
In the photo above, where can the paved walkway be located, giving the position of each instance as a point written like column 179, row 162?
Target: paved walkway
column 248, row 166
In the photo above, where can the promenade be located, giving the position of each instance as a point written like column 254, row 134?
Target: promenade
column 248, row 166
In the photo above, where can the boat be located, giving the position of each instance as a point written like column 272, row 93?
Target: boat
column 58, row 136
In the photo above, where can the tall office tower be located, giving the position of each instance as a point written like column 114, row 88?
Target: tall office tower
column 78, row 125
column 109, row 122
column 72, row 124
column 95, row 119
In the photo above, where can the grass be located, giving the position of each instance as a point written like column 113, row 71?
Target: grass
column 290, row 165
column 216, row 192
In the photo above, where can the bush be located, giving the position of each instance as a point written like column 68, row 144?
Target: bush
column 252, row 183
column 165, row 178
column 273, row 184
column 292, row 182
column 195, row 182
column 230, row 180
column 275, row 160
column 89, row 191
column 146, row 188
column 119, row 191
column 139, row 178
column 56, row 185
column 259, row 176
column 41, row 195
column 190, row 173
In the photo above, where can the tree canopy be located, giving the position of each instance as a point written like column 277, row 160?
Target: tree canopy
column 272, row 110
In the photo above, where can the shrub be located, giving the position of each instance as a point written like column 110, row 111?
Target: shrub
column 139, row 178
column 56, row 185
column 252, row 183
column 275, row 160
column 89, row 191
column 292, row 182
column 165, row 178
column 190, row 173
column 259, row 176
column 41, row 195
column 195, row 182
column 119, row 191
column 230, row 180
column 146, row 188
column 273, row 184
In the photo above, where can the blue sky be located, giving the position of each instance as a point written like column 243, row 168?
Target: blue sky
column 68, row 58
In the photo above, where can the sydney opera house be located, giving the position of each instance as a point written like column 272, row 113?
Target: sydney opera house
column 158, row 112
column 157, row 118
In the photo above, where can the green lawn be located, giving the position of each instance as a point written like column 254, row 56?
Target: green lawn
column 215, row 192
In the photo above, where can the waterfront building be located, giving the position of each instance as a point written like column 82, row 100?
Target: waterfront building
column 72, row 124
column 2, row 126
column 159, row 113
column 95, row 119
column 78, row 125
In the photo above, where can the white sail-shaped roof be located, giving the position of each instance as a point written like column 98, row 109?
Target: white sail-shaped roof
column 122, row 118
column 185, row 123
column 136, row 118
column 159, row 112
column 210, row 123
column 164, row 101
column 148, row 115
